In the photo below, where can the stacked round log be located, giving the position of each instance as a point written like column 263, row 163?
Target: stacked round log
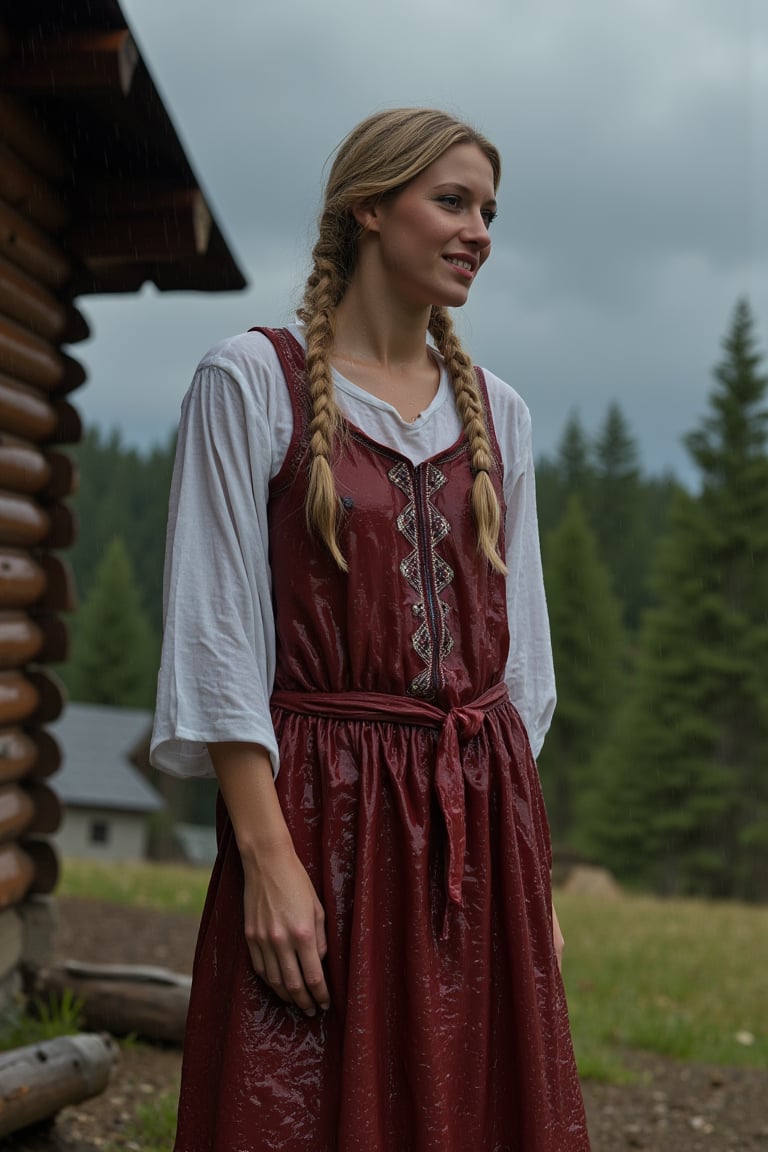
column 37, row 375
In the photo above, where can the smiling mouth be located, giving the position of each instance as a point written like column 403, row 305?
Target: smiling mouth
column 457, row 263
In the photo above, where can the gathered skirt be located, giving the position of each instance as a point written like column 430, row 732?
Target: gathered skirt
column 448, row 1028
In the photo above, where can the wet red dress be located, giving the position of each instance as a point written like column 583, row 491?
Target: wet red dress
column 413, row 800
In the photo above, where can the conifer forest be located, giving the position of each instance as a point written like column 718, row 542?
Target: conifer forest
column 656, row 765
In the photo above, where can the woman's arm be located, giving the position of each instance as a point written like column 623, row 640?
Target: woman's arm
column 284, row 920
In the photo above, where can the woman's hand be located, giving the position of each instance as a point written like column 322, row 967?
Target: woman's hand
column 558, row 939
column 284, row 920
column 285, row 928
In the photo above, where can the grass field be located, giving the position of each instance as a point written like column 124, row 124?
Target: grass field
column 687, row 979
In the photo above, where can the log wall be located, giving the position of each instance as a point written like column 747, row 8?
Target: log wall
column 37, row 375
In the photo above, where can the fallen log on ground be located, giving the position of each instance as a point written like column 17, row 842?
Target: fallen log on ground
column 123, row 999
column 38, row 1081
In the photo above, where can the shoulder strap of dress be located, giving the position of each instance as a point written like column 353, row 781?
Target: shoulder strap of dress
column 291, row 356
column 495, row 449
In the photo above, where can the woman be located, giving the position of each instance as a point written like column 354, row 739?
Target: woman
column 356, row 642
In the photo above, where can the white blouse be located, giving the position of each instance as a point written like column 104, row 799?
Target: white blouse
column 218, row 660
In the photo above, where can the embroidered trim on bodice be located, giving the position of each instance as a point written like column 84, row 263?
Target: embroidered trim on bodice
column 428, row 573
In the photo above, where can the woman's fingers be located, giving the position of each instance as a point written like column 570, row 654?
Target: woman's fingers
column 291, row 964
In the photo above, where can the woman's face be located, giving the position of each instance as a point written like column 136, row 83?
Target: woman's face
column 427, row 244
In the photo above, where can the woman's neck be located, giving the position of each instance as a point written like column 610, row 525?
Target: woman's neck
column 371, row 333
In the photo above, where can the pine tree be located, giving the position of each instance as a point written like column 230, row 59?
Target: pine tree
column 568, row 473
column 575, row 460
column 686, row 794
column 617, row 513
column 586, row 641
column 114, row 658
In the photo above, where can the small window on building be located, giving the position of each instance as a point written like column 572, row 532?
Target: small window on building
column 99, row 832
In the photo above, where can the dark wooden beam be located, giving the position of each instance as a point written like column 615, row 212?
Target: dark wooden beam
column 29, row 193
column 176, row 226
column 22, row 132
column 18, row 754
column 24, row 299
column 22, row 581
column 44, row 639
column 83, row 61
column 28, row 247
column 25, row 412
column 19, row 698
column 23, row 522
column 35, row 361
column 23, row 468
column 17, row 811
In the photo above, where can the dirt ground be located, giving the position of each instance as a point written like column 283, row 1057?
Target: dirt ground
column 672, row 1107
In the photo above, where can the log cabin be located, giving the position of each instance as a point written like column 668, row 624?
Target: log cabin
column 96, row 196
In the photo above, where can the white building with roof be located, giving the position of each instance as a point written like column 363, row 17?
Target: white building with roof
column 107, row 802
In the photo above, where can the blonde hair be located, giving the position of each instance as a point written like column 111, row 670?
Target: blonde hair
column 378, row 158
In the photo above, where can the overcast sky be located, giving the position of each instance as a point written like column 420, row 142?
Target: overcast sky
column 633, row 207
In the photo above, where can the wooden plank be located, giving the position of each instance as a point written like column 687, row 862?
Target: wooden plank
column 55, row 646
column 63, row 476
column 23, row 579
column 17, row 811
column 44, row 639
column 24, row 412
column 19, row 698
column 47, row 808
column 78, row 62
column 157, row 236
column 23, row 522
column 18, row 754
column 39, row 1080
column 51, row 695
column 21, row 638
column 17, row 873
column 76, row 328
column 35, row 361
column 45, row 865
column 27, row 755
column 27, row 246
column 59, row 594
column 140, row 222
column 63, row 526
column 68, row 428
column 23, row 468
column 29, row 193
column 23, row 299
column 22, row 132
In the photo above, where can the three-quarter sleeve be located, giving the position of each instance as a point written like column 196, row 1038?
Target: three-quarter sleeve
column 529, row 675
column 218, row 657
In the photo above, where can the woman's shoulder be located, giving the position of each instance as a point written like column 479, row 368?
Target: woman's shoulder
column 243, row 370
column 246, row 355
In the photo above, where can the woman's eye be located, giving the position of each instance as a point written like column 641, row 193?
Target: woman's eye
column 489, row 216
column 451, row 201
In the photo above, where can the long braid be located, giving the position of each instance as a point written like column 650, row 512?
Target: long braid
column 318, row 315
column 483, row 501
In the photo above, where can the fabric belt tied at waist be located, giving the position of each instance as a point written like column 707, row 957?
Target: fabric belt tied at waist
column 456, row 727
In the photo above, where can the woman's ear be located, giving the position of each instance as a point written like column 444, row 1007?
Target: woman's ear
column 367, row 215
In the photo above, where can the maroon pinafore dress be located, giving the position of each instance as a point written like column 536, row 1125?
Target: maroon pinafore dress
column 409, row 788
